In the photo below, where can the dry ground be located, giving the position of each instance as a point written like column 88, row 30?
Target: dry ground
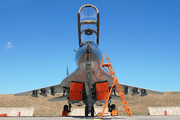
column 138, row 105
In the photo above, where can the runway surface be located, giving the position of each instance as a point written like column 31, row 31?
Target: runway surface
column 95, row 118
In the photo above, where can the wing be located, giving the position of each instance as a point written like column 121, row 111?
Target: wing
column 61, row 98
column 114, row 97
column 136, row 90
column 59, row 88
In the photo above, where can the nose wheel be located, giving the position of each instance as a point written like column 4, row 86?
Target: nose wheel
column 87, row 111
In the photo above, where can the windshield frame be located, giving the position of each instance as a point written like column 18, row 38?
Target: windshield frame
column 91, row 42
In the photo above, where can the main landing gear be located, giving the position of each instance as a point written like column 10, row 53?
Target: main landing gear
column 87, row 111
column 66, row 109
column 111, row 107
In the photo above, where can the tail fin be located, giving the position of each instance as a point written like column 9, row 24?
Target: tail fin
column 67, row 71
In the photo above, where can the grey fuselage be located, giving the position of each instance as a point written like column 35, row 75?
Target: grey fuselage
column 93, row 62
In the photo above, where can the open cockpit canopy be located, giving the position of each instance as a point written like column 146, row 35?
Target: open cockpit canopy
column 88, row 24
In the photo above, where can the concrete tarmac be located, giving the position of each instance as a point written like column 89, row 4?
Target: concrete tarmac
column 95, row 118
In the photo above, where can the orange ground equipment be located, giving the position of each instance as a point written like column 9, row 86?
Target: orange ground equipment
column 102, row 90
column 76, row 90
column 107, row 66
column 3, row 115
column 114, row 113
column 19, row 114
column 64, row 113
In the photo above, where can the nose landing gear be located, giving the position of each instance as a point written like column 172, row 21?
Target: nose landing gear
column 87, row 111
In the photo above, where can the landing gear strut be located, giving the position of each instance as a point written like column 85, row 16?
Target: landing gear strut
column 87, row 111
column 69, row 107
column 109, row 107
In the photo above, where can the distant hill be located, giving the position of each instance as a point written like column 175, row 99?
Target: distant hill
column 138, row 105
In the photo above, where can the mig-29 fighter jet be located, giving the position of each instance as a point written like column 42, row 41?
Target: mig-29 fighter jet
column 89, row 84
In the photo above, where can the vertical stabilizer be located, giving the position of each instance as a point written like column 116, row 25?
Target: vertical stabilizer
column 67, row 71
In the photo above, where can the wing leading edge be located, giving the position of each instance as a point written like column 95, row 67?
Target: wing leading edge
column 49, row 90
column 136, row 90
column 59, row 88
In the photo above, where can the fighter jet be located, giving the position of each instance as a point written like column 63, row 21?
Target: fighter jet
column 89, row 84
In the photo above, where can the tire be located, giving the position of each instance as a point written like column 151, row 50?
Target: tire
column 92, row 111
column 65, row 108
column 113, row 107
column 86, row 111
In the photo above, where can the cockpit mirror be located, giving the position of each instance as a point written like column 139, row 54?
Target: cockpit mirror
column 88, row 32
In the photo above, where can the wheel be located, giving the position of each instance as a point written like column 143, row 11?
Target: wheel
column 65, row 108
column 92, row 111
column 113, row 106
column 86, row 111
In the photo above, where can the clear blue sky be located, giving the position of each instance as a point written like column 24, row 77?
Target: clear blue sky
column 37, row 39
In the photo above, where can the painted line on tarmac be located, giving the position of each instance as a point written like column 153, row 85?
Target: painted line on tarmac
column 96, row 119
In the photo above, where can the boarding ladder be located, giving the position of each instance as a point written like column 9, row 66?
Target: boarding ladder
column 107, row 66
